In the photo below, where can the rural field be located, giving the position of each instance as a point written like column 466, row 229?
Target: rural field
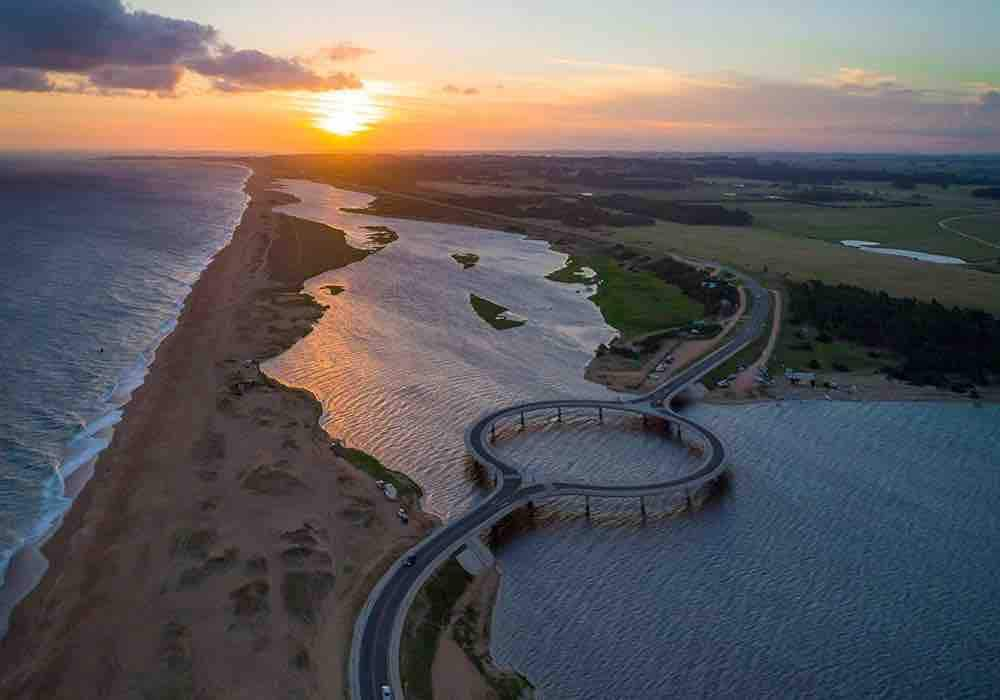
column 800, row 258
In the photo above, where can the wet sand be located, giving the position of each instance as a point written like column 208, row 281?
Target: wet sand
column 221, row 549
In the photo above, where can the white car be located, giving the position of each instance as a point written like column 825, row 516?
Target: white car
column 386, row 693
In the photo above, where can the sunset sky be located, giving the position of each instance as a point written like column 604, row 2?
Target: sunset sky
column 314, row 75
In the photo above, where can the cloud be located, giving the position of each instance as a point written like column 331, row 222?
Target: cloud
column 862, row 79
column 79, row 35
column 113, row 47
column 24, row 80
column 456, row 90
column 248, row 70
column 162, row 79
column 346, row 52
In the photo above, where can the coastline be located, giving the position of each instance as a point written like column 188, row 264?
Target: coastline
column 218, row 515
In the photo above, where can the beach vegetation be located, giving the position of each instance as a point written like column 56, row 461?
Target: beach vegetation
column 493, row 313
column 429, row 616
column 192, row 543
column 371, row 465
column 304, row 591
column 466, row 260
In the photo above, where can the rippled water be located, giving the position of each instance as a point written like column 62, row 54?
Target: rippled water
column 401, row 361
column 853, row 555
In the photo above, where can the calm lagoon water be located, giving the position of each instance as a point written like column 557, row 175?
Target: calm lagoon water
column 854, row 555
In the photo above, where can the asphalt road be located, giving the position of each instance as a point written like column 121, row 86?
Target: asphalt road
column 375, row 651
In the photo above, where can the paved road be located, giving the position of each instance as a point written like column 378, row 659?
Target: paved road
column 378, row 631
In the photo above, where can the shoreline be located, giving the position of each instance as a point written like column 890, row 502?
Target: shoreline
column 229, row 566
column 58, row 645
column 28, row 565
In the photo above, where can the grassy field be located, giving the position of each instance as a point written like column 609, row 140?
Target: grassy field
column 912, row 228
column 791, row 352
column 754, row 249
column 985, row 226
column 632, row 302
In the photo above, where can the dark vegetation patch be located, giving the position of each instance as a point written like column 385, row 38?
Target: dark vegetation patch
column 987, row 193
column 428, row 617
column 334, row 289
column 936, row 345
column 374, row 468
column 492, row 313
column 304, row 592
column 251, row 599
column 192, row 543
column 466, row 260
column 691, row 214
column 218, row 564
column 273, row 480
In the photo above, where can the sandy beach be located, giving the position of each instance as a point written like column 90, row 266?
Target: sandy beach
column 221, row 549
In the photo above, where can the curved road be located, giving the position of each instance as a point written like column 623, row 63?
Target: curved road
column 378, row 632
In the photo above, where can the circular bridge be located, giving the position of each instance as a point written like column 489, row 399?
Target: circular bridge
column 374, row 661
column 482, row 433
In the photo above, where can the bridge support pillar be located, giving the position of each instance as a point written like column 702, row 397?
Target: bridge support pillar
column 587, row 507
column 600, row 414
column 642, row 506
column 522, row 420
column 493, row 432
column 687, row 498
column 559, row 414
column 644, row 420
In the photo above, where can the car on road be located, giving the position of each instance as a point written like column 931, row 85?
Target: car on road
column 386, row 692
column 410, row 560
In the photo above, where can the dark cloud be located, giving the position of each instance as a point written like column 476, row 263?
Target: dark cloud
column 24, row 80
column 150, row 78
column 456, row 90
column 117, row 48
column 79, row 35
column 248, row 70
column 346, row 52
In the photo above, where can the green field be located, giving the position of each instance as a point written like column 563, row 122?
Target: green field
column 790, row 353
column 912, row 228
column 633, row 302
column 758, row 250
column 985, row 226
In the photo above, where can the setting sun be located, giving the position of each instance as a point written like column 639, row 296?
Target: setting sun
column 348, row 112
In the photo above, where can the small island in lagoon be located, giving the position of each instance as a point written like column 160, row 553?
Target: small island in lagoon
column 466, row 260
column 493, row 313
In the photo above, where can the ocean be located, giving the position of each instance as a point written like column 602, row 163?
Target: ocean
column 853, row 554
column 98, row 258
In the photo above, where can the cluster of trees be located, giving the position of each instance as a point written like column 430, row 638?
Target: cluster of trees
column 695, row 214
column 692, row 282
column 987, row 193
column 936, row 345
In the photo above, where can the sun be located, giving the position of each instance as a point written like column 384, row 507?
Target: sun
column 348, row 112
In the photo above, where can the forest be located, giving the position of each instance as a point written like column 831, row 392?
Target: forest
column 940, row 346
